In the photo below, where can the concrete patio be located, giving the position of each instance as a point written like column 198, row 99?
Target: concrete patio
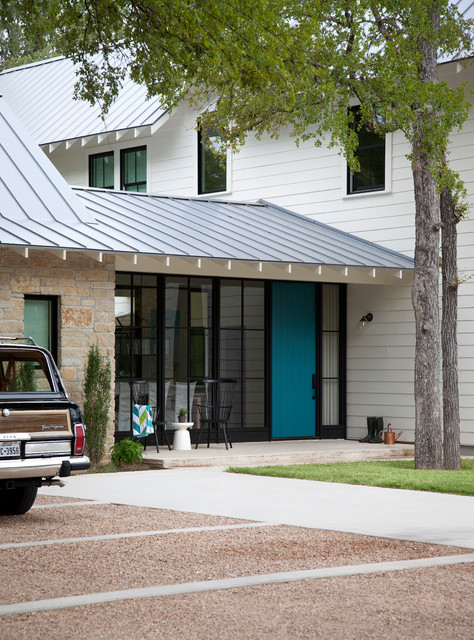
column 275, row 452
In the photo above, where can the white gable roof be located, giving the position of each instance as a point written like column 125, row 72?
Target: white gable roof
column 32, row 192
column 42, row 96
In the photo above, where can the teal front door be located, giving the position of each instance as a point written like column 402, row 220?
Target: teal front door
column 293, row 360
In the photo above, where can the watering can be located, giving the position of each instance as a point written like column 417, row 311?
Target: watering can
column 389, row 436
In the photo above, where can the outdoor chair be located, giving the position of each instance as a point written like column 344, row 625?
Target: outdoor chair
column 139, row 390
column 215, row 409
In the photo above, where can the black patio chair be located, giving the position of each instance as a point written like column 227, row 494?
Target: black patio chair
column 139, row 395
column 215, row 409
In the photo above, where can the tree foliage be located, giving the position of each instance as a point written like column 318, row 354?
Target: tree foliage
column 26, row 33
column 98, row 395
column 295, row 64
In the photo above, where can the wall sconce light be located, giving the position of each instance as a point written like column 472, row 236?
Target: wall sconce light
column 365, row 319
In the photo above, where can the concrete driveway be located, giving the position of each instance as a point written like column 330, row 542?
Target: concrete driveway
column 408, row 515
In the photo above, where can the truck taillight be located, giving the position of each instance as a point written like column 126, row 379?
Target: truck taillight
column 80, row 439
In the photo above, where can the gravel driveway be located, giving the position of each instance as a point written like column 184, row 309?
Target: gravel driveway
column 66, row 547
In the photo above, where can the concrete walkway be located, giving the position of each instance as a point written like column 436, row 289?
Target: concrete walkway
column 408, row 515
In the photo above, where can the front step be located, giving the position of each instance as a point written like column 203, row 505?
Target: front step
column 218, row 456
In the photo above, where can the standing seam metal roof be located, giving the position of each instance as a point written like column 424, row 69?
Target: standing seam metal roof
column 189, row 227
column 39, row 210
column 42, row 96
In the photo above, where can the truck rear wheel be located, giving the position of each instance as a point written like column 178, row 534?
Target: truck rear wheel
column 14, row 502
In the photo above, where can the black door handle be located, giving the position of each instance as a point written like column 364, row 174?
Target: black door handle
column 314, row 385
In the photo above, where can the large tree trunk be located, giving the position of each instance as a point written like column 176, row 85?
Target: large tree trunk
column 449, row 344
column 425, row 296
column 425, row 292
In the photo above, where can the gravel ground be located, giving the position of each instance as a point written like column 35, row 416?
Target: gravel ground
column 95, row 520
column 44, row 500
column 427, row 604
column 422, row 603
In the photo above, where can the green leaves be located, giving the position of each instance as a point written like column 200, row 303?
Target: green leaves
column 98, row 395
column 270, row 64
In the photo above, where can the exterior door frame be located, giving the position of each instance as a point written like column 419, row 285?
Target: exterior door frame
column 321, row 431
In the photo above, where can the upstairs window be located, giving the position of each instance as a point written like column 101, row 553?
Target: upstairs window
column 212, row 170
column 371, row 155
column 101, row 170
column 133, row 169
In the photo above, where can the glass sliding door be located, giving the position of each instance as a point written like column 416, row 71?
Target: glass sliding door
column 188, row 340
column 136, row 341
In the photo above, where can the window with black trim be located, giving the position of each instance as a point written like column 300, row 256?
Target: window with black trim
column 212, row 170
column 41, row 322
column 101, row 170
column 133, row 169
column 370, row 153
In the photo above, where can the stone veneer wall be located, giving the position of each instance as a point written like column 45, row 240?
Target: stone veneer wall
column 86, row 313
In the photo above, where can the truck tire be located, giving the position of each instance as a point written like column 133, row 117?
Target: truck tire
column 14, row 502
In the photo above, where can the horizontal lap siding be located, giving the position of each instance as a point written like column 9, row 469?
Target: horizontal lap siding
column 380, row 359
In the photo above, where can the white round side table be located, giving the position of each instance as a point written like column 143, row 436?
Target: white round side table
column 182, row 437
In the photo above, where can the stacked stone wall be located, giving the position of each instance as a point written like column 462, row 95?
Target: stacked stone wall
column 86, row 315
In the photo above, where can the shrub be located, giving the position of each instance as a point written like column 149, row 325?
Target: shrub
column 98, row 395
column 127, row 451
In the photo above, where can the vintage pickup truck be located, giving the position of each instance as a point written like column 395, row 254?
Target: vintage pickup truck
column 42, row 435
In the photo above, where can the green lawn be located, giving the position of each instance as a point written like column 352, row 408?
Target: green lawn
column 397, row 474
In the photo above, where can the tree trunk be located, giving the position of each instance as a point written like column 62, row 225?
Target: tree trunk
column 425, row 291
column 449, row 345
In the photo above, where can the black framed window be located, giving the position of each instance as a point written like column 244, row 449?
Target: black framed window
column 101, row 170
column 41, row 322
column 370, row 153
column 212, row 169
column 133, row 169
column 242, row 348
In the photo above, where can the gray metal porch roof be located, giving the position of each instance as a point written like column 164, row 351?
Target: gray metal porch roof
column 39, row 210
column 192, row 227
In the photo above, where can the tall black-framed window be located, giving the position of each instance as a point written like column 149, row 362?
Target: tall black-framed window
column 41, row 321
column 212, row 165
column 138, row 355
column 175, row 331
column 242, row 348
column 133, row 169
column 101, row 170
column 371, row 156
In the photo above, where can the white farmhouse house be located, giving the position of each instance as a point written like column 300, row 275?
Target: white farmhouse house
column 279, row 270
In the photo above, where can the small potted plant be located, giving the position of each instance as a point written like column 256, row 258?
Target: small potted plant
column 182, row 413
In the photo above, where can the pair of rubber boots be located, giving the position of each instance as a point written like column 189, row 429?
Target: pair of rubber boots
column 374, row 426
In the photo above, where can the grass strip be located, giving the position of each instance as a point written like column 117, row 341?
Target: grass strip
column 394, row 474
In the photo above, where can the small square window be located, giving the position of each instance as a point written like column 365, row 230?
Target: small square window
column 212, row 170
column 370, row 153
column 101, row 170
column 133, row 169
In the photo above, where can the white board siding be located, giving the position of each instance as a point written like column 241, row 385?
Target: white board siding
column 380, row 359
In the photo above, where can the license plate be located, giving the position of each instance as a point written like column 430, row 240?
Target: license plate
column 9, row 449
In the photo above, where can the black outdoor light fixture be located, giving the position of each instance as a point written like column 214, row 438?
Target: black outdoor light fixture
column 365, row 319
